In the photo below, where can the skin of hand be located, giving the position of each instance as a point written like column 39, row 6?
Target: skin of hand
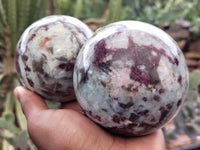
column 68, row 128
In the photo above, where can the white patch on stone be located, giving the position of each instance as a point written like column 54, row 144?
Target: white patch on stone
column 154, row 53
column 141, row 67
column 118, row 41
column 165, row 72
column 120, row 80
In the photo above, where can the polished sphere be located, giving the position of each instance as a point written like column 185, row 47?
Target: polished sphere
column 46, row 54
column 131, row 78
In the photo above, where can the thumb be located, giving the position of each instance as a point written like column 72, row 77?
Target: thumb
column 30, row 102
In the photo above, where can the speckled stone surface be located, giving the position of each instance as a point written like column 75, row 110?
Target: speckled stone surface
column 46, row 53
column 131, row 78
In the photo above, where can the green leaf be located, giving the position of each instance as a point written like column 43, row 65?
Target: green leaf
column 9, row 103
column 23, row 15
column 194, row 79
column 78, row 8
column 12, row 22
column 62, row 6
column 12, row 140
column 192, row 96
column 191, row 132
column 171, row 134
column 23, row 140
column 179, row 122
column 8, row 126
column 2, row 14
column 42, row 9
column 51, row 104
column 9, row 117
column 190, row 111
column 114, row 11
column 33, row 15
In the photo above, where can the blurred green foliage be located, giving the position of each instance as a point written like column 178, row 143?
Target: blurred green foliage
column 82, row 9
column 15, row 16
column 188, row 119
column 157, row 12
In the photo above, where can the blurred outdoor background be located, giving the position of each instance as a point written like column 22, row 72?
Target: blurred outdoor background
column 179, row 18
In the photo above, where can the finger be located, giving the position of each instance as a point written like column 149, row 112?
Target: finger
column 30, row 102
column 72, row 105
column 152, row 141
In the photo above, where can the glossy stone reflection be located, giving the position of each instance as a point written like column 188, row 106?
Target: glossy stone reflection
column 131, row 78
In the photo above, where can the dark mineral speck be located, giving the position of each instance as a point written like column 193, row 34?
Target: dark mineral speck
column 176, row 61
column 30, row 82
column 50, row 49
column 179, row 102
column 36, row 65
column 144, row 99
column 115, row 98
column 127, row 105
column 156, row 98
column 143, row 112
column 67, row 66
column 180, row 79
column 45, row 27
column 31, row 37
column 117, row 118
column 103, row 84
column 133, row 117
column 105, row 110
column 164, row 113
column 24, row 58
column 170, row 105
column 161, row 91
column 27, row 69
column 105, row 66
column 84, row 75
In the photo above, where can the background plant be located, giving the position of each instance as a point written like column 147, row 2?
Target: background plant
column 15, row 16
column 188, row 119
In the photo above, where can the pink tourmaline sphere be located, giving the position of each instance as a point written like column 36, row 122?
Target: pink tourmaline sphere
column 131, row 78
column 46, row 54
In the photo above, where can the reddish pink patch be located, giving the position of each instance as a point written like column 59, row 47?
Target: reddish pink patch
column 97, row 118
column 24, row 57
column 67, row 66
column 32, row 37
column 142, row 76
column 44, row 42
column 161, row 91
column 30, row 82
column 100, row 52
column 94, row 116
column 180, row 79
column 176, row 61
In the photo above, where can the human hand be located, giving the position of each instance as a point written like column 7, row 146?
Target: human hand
column 69, row 129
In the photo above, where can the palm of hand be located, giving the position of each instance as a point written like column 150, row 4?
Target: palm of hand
column 69, row 129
